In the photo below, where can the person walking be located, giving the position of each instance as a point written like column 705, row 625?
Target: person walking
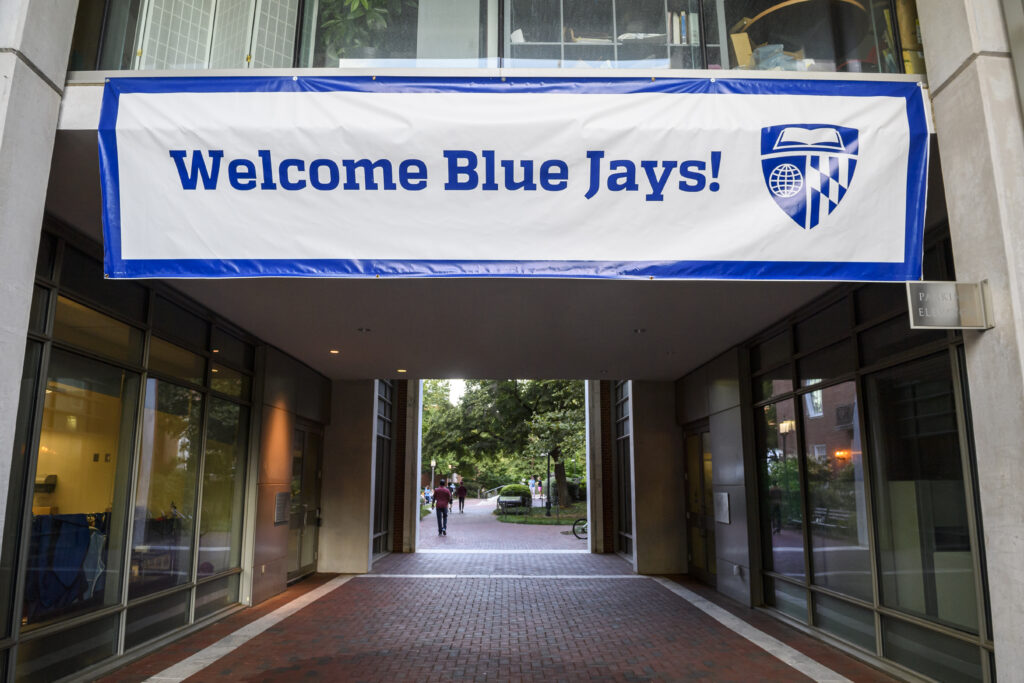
column 461, row 493
column 442, row 499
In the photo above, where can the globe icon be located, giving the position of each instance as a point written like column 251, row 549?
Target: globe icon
column 785, row 180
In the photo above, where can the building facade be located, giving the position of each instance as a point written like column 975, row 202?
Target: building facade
column 178, row 449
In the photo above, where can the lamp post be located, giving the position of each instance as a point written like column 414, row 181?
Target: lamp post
column 433, row 464
column 547, row 488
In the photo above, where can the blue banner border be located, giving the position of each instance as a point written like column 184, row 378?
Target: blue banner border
column 917, row 168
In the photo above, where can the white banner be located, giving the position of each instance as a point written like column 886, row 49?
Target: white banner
column 620, row 178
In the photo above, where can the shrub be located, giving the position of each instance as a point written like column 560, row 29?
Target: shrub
column 521, row 490
column 581, row 490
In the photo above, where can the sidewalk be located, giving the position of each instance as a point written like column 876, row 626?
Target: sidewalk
column 479, row 529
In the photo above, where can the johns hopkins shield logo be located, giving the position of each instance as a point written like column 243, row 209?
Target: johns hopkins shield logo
column 808, row 168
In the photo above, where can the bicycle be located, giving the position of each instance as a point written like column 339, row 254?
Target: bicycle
column 580, row 528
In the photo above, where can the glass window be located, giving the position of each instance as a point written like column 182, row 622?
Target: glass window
column 173, row 321
column 829, row 363
column 88, row 329
column 880, row 301
column 836, row 498
column 933, row 654
column 920, row 505
column 893, row 337
column 166, row 487
column 230, row 349
column 770, row 353
column 81, row 480
column 19, row 472
column 213, row 596
column 83, row 275
column 823, row 327
column 845, row 621
column 812, row 36
column 778, row 461
column 773, row 383
column 155, row 618
column 787, row 598
column 220, row 522
column 76, row 648
column 228, row 381
column 175, row 361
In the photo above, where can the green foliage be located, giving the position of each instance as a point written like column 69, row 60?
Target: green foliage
column 521, row 490
column 346, row 25
column 502, row 430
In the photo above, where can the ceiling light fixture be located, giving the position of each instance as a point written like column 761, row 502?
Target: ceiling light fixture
column 216, row 350
column 639, row 330
column 214, row 370
column 335, row 351
column 362, row 329
column 401, row 370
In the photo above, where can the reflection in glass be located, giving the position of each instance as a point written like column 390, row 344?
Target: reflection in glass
column 215, row 595
column 228, row 381
column 836, row 499
column 220, row 524
column 920, row 505
column 175, row 361
column 78, row 647
column 80, row 483
column 778, row 461
column 773, row 383
column 787, row 598
column 82, row 326
column 849, row 622
column 933, row 654
column 166, row 487
column 810, row 35
column 154, row 618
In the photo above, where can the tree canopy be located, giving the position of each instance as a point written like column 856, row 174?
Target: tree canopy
column 502, row 430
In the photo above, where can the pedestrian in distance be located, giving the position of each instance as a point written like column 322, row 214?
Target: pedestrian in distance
column 461, row 493
column 442, row 500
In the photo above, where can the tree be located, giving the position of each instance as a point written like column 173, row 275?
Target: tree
column 502, row 430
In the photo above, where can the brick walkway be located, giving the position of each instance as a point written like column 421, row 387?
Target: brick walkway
column 479, row 529
column 614, row 626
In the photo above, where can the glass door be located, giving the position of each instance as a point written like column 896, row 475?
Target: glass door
column 700, row 512
column 305, row 502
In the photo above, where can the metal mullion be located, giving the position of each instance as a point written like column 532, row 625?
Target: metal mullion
column 153, row 597
column 868, row 465
column 198, row 500
column 217, row 577
column 929, row 625
column 805, row 525
column 64, row 624
column 92, row 355
column 133, row 474
column 974, row 524
column 20, row 559
column 832, row 593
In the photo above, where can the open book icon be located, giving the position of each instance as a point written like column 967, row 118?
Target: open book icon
column 825, row 138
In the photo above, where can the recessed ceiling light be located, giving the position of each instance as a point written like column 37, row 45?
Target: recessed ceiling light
column 401, row 370
column 639, row 330
column 215, row 370
column 335, row 351
column 216, row 350
column 362, row 329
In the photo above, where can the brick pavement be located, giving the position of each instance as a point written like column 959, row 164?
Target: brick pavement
column 612, row 627
column 479, row 529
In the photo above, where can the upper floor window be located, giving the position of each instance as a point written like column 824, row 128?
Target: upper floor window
column 876, row 36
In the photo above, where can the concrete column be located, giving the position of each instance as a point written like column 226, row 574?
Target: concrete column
column 597, row 487
column 35, row 39
column 658, row 492
column 981, row 144
column 346, row 492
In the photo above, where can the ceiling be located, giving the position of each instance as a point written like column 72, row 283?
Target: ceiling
column 465, row 328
